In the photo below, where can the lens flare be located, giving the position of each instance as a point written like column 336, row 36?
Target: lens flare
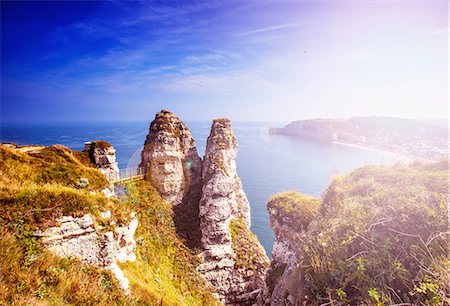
column 189, row 164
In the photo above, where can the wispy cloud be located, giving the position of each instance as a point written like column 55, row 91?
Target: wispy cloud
column 269, row 29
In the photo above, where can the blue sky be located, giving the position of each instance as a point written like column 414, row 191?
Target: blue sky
column 247, row 60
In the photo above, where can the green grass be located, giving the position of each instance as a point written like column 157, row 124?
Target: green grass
column 164, row 263
column 55, row 164
column 300, row 208
column 379, row 237
column 246, row 247
column 49, row 280
column 38, row 186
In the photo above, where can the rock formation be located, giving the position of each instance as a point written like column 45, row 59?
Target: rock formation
column 290, row 214
column 237, row 275
column 284, row 257
column 103, row 155
column 282, row 226
column 79, row 238
column 171, row 163
column 211, row 209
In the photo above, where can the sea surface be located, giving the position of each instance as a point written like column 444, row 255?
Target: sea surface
column 267, row 164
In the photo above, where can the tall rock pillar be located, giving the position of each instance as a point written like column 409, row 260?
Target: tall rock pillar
column 171, row 163
column 234, row 261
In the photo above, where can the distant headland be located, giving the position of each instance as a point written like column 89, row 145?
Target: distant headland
column 404, row 137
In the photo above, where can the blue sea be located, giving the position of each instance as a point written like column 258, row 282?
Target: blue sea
column 267, row 164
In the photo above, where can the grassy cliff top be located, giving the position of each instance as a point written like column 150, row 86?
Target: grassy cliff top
column 39, row 184
column 380, row 237
column 300, row 209
column 101, row 144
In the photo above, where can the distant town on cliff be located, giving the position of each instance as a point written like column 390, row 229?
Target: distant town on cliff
column 412, row 138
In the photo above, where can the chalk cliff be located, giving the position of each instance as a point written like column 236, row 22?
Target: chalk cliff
column 103, row 155
column 169, row 158
column 171, row 163
column 234, row 261
column 211, row 210
column 290, row 214
column 65, row 243
column 80, row 238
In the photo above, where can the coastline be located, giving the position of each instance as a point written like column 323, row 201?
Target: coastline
column 396, row 155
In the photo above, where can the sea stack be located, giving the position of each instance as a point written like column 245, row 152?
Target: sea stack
column 234, row 261
column 169, row 158
column 172, row 165
column 211, row 210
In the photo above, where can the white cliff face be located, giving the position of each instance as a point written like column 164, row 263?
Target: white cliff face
column 208, row 201
column 284, row 258
column 223, row 201
column 219, row 172
column 170, row 159
column 103, row 155
column 79, row 238
column 283, row 248
column 222, row 197
column 171, row 163
column 290, row 214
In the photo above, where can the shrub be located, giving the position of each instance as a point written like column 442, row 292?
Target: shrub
column 380, row 237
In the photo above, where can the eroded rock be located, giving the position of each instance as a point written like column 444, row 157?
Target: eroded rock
column 290, row 214
column 79, row 238
column 169, row 158
column 224, row 203
column 171, row 163
column 103, row 155
column 209, row 204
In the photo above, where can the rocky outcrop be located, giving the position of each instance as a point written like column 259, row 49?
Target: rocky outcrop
column 284, row 257
column 171, row 163
column 225, row 220
column 290, row 214
column 103, row 155
column 169, row 158
column 80, row 238
column 285, row 237
column 211, row 210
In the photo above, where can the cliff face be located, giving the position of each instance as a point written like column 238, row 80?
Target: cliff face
column 319, row 129
column 52, row 207
column 224, row 213
column 283, row 254
column 290, row 214
column 211, row 210
column 171, row 163
column 80, row 238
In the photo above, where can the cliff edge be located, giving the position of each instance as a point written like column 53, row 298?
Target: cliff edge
column 377, row 236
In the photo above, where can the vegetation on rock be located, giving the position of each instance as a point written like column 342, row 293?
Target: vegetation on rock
column 249, row 255
column 38, row 186
column 292, row 206
column 380, row 237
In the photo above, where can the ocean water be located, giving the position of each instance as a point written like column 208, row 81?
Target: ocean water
column 267, row 164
